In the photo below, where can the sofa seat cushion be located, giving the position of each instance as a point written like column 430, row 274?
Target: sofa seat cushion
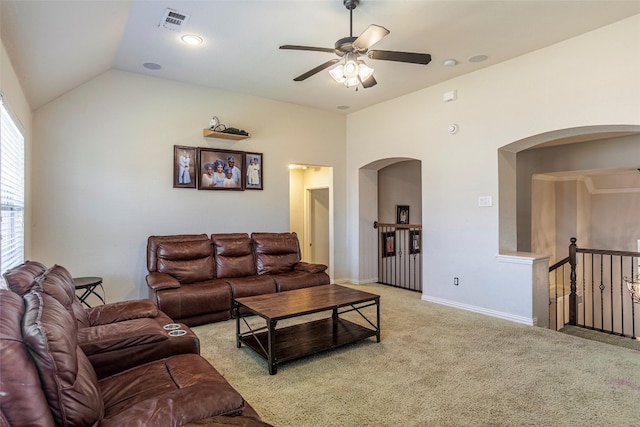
column 252, row 285
column 171, row 391
column 194, row 299
column 188, row 262
column 300, row 279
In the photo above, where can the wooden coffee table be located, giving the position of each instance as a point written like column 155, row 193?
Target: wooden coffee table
column 305, row 338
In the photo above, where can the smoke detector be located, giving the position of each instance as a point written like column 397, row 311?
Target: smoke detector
column 173, row 20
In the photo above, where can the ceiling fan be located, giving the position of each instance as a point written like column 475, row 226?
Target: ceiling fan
column 351, row 70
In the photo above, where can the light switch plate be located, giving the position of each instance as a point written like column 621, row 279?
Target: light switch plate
column 485, row 201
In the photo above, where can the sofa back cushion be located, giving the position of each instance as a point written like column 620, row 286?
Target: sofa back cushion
column 22, row 401
column 189, row 262
column 275, row 252
column 20, row 279
column 58, row 283
column 233, row 254
column 154, row 241
column 68, row 379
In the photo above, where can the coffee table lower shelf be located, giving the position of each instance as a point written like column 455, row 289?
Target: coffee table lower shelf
column 293, row 342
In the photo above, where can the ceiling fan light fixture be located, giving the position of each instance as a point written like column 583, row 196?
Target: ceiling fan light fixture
column 364, row 71
column 337, row 73
column 351, row 68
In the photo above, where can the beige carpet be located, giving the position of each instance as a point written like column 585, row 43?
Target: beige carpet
column 438, row 366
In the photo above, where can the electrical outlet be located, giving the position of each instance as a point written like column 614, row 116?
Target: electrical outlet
column 456, row 281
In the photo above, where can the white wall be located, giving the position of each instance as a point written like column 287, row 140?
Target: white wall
column 103, row 172
column 559, row 87
column 615, row 222
column 399, row 184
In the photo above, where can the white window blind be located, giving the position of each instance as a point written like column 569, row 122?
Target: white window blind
column 11, row 192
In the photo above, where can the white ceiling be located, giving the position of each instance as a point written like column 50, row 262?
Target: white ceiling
column 57, row 45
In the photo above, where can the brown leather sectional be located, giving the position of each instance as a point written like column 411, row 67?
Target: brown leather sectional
column 52, row 349
column 193, row 278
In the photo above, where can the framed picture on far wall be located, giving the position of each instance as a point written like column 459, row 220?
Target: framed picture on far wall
column 253, row 166
column 402, row 214
column 184, row 166
column 388, row 243
column 220, row 169
column 414, row 241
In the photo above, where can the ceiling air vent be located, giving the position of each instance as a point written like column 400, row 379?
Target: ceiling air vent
column 173, row 20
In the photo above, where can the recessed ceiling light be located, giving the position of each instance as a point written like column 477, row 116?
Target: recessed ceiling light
column 152, row 66
column 191, row 39
column 450, row 62
column 343, row 107
column 478, row 58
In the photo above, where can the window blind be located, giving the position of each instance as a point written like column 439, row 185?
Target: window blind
column 11, row 192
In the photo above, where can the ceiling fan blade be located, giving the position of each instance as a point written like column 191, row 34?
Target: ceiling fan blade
column 315, row 49
column 368, row 82
column 412, row 58
column 319, row 68
column 372, row 35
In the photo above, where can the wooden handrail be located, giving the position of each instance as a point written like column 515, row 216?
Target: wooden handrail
column 377, row 224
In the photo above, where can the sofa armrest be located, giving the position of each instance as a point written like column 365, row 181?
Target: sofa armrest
column 120, row 311
column 158, row 281
column 118, row 336
column 309, row 267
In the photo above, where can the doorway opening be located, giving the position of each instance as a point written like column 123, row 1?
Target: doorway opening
column 311, row 212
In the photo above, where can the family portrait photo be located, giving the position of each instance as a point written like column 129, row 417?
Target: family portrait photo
column 254, row 171
column 220, row 170
column 184, row 167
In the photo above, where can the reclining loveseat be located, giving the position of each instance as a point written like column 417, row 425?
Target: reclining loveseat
column 194, row 278
column 113, row 336
column 46, row 379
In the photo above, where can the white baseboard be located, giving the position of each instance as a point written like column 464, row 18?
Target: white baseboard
column 357, row 282
column 499, row 314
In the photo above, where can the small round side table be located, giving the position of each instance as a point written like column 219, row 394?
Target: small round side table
column 88, row 286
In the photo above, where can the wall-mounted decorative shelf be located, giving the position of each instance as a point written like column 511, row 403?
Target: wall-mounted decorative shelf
column 208, row 133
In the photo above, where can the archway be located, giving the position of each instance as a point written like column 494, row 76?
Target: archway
column 371, row 210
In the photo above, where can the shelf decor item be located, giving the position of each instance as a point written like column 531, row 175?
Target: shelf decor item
column 208, row 133
column 184, row 166
column 220, row 169
column 253, row 166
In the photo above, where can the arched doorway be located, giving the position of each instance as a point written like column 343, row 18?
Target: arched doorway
column 544, row 198
column 386, row 185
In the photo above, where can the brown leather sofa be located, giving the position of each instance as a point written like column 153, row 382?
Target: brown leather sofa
column 46, row 379
column 114, row 336
column 193, row 278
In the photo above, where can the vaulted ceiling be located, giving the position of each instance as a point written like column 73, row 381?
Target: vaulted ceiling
column 55, row 46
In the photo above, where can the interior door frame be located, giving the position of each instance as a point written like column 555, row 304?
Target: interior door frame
column 307, row 224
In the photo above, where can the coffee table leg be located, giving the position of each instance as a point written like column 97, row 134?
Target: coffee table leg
column 236, row 309
column 273, row 367
column 378, row 320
